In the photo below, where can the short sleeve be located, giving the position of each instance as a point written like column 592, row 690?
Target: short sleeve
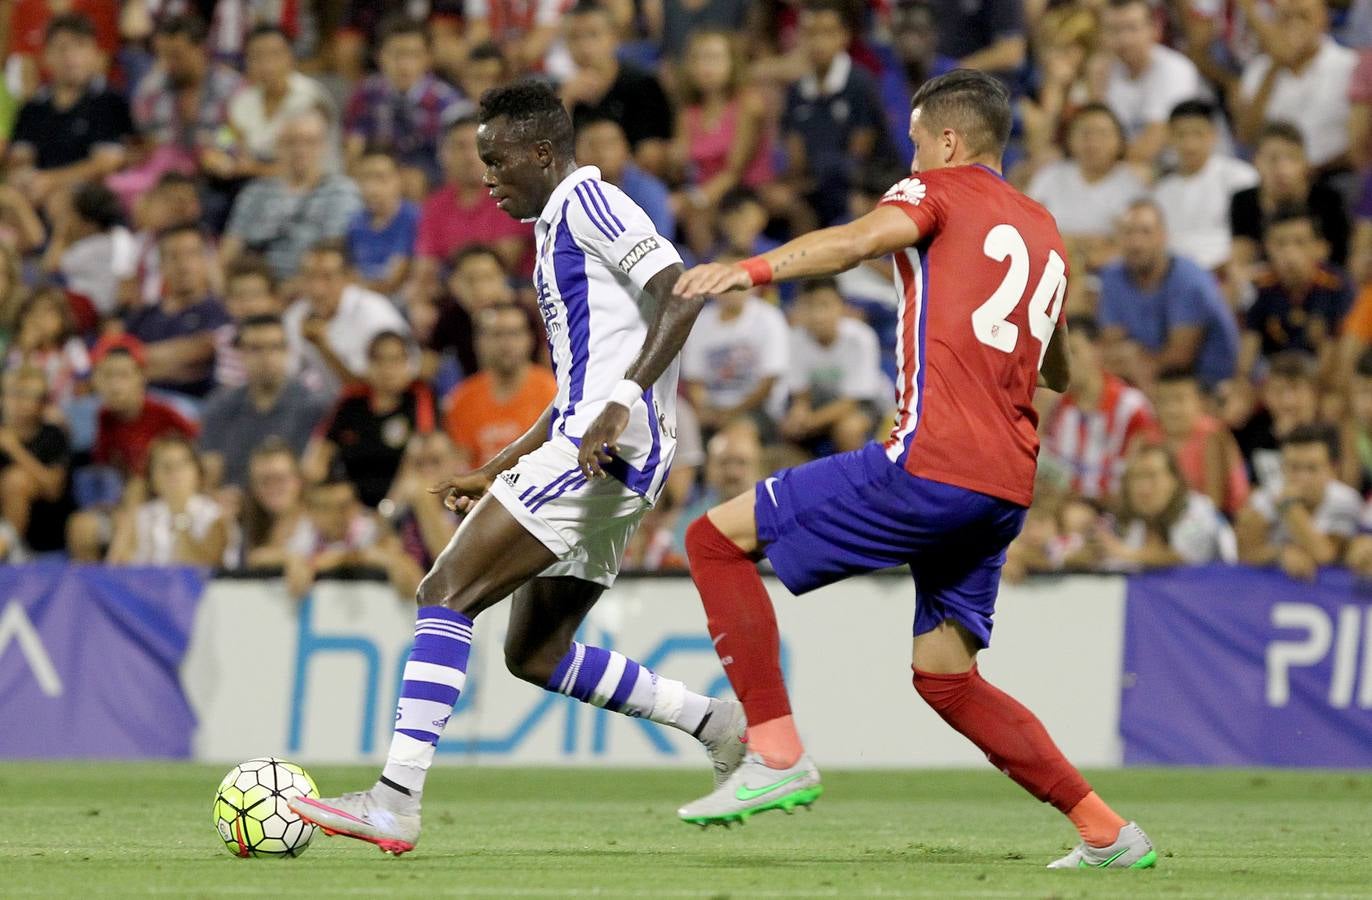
column 609, row 225
column 923, row 198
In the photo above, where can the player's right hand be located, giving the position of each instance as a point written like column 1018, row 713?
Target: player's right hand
column 712, row 278
column 462, row 491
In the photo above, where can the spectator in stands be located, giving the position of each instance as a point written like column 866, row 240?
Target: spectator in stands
column 742, row 223
column 178, row 332
column 274, row 512
column 723, row 137
column 402, row 107
column 381, row 235
column 35, row 497
column 1067, row 72
column 372, row 422
column 733, row 465
column 282, row 217
column 173, row 200
column 1206, row 453
column 911, row 59
column 331, row 328
column 1089, row 191
column 1164, row 307
column 988, row 35
column 130, row 420
column 1308, row 521
column 835, row 378
column 491, row 408
column 523, row 29
column 269, row 404
column 1162, row 522
column 477, row 281
column 1301, row 301
column 1285, row 179
column 483, row 69
column 602, row 143
column 47, row 340
column 734, row 362
column 74, row 130
column 1195, row 199
column 674, row 23
column 178, row 524
column 1289, row 398
column 275, row 93
column 421, row 521
column 181, row 106
column 249, row 290
column 603, row 87
column 1092, row 428
column 1304, row 79
column 833, row 121
column 1355, row 455
column 462, row 212
column 1147, row 78
column 342, row 534
column 89, row 247
column 1360, row 254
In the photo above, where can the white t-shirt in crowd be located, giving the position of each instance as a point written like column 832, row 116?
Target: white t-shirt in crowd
column 1315, row 100
column 729, row 357
column 1200, row 535
column 156, row 538
column 1083, row 208
column 1148, row 99
column 1337, row 515
column 258, row 130
column 849, row 368
column 1196, row 208
column 94, row 266
column 361, row 316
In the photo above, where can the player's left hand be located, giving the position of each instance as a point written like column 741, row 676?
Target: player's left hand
column 600, row 442
column 712, row 278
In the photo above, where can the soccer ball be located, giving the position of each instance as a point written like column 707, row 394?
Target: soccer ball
column 250, row 811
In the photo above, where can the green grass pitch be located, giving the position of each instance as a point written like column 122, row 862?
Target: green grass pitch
column 99, row 830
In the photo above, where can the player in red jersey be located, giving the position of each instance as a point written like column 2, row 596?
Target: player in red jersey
column 982, row 276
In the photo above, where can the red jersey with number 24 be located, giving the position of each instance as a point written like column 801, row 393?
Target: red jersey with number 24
column 980, row 295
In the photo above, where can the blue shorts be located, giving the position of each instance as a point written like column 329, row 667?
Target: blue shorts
column 859, row 512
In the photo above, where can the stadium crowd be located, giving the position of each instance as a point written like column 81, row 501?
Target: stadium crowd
column 254, row 299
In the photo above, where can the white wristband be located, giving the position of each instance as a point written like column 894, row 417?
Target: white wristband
column 626, row 394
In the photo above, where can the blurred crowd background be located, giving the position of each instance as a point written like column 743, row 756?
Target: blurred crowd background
column 254, row 299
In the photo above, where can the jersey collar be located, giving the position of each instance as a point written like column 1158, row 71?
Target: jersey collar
column 564, row 187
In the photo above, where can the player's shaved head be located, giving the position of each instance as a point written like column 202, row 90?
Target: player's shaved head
column 972, row 103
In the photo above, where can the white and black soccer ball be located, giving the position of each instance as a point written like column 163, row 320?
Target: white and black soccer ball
column 250, row 811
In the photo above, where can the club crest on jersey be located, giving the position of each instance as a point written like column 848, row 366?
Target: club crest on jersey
column 640, row 250
column 907, row 190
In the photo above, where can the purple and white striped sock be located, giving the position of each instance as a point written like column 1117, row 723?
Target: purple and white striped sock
column 605, row 678
column 434, row 676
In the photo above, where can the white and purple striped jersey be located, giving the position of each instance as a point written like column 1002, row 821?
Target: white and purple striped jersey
column 596, row 252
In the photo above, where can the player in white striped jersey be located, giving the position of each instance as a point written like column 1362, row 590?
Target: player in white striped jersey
column 538, row 522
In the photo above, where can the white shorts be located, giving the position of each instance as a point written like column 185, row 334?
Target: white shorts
column 587, row 524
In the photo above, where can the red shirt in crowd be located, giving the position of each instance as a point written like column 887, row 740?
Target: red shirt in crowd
column 123, row 443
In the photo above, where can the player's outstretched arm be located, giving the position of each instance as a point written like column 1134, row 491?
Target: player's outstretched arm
column 461, row 491
column 825, row 252
column 673, row 317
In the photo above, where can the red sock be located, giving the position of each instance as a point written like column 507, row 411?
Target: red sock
column 1012, row 737
column 744, row 628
